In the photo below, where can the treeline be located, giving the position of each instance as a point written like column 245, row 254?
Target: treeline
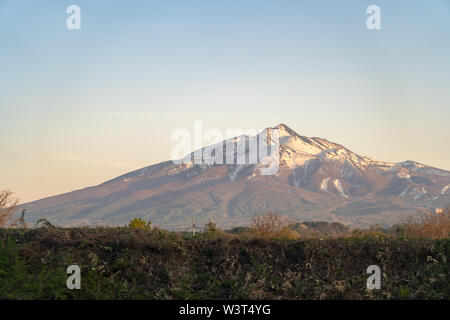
column 430, row 225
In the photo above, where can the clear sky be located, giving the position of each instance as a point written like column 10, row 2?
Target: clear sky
column 79, row 107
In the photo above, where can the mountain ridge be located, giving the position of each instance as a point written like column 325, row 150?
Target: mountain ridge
column 316, row 180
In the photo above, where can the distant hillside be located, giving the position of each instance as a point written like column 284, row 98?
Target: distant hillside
column 321, row 228
column 306, row 229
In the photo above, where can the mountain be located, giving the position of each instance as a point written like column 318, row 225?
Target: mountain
column 316, row 180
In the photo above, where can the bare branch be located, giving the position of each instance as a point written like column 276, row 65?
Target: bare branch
column 8, row 206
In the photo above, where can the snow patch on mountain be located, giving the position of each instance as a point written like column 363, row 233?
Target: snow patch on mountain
column 403, row 193
column 301, row 144
column 403, row 174
column 234, row 173
column 415, row 192
column 420, row 168
column 324, row 184
column 293, row 158
column 337, row 183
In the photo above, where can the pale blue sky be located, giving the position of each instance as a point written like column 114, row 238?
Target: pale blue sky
column 83, row 106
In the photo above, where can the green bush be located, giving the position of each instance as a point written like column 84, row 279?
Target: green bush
column 139, row 223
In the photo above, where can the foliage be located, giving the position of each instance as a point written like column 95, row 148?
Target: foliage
column 433, row 225
column 211, row 227
column 272, row 226
column 140, row 223
column 45, row 223
column 126, row 263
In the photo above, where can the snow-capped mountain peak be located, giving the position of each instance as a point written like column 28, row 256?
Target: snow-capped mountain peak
column 302, row 144
column 316, row 180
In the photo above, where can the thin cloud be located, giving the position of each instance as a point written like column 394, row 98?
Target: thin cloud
column 70, row 158
column 126, row 114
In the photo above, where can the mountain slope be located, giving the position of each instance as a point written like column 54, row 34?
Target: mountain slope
column 317, row 180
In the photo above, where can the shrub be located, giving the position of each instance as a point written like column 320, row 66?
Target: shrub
column 272, row 226
column 434, row 225
column 210, row 227
column 211, row 231
column 289, row 234
column 139, row 223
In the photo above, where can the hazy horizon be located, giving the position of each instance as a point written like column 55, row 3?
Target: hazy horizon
column 81, row 107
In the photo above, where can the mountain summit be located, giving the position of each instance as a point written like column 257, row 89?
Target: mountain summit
column 316, row 180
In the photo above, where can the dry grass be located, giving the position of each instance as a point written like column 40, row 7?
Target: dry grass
column 432, row 225
column 126, row 263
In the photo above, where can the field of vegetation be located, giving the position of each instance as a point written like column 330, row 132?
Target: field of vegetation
column 270, row 260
